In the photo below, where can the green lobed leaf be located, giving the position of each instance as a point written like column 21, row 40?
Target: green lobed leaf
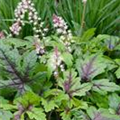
column 66, row 115
column 17, row 42
column 28, row 98
column 68, row 59
column 114, row 101
column 30, row 60
column 104, row 85
column 101, row 114
column 70, row 83
column 117, row 73
column 90, row 66
column 79, row 104
column 83, row 89
column 5, row 115
column 49, row 104
column 37, row 114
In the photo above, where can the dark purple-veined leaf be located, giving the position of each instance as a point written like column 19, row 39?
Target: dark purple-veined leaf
column 101, row 114
column 17, row 74
column 70, row 83
column 114, row 103
column 104, row 85
column 90, row 67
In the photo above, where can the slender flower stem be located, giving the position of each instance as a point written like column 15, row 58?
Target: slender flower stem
column 83, row 18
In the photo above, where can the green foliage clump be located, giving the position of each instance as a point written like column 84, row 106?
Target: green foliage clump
column 101, row 14
column 86, row 89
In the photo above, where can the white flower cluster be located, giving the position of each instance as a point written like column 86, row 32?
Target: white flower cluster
column 40, row 50
column 20, row 11
column 84, row 1
column 56, row 62
column 39, row 32
column 23, row 7
column 16, row 27
column 62, row 30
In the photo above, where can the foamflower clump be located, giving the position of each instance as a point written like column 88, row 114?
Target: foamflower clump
column 56, row 62
column 62, row 30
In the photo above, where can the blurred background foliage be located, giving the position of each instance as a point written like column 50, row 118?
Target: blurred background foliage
column 104, row 15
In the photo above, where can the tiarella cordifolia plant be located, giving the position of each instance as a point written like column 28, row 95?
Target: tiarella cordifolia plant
column 62, row 30
column 59, row 85
column 86, row 80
